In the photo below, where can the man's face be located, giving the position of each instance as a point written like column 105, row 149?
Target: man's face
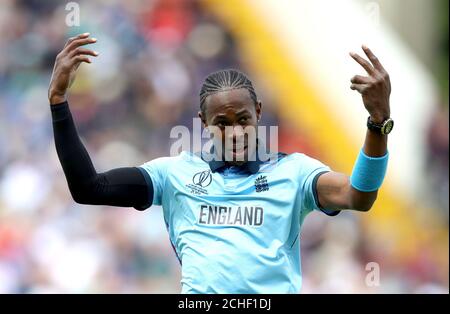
column 234, row 115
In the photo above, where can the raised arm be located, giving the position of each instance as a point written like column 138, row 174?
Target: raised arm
column 125, row 187
column 359, row 191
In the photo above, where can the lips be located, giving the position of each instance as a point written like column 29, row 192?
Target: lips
column 239, row 149
column 239, row 154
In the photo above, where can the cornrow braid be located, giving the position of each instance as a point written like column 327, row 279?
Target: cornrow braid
column 225, row 80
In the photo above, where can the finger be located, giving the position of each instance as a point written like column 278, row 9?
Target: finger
column 363, row 62
column 71, row 39
column 79, row 42
column 376, row 63
column 359, row 79
column 361, row 88
column 83, row 51
column 80, row 58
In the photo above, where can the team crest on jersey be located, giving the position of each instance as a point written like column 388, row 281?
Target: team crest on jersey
column 200, row 181
column 261, row 184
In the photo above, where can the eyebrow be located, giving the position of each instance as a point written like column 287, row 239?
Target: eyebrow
column 239, row 113
column 224, row 116
column 243, row 111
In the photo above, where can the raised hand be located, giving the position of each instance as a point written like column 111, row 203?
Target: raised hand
column 66, row 64
column 374, row 88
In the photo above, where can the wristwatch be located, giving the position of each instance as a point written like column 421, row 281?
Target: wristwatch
column 383, row 128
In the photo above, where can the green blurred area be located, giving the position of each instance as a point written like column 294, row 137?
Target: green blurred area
column 441, row 65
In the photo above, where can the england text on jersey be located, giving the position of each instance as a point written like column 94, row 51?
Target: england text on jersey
column 229, row 215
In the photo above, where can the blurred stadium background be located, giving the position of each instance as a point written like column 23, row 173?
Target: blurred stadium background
column 153, row 57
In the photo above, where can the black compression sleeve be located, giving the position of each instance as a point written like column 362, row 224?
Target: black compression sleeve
column 125, row 187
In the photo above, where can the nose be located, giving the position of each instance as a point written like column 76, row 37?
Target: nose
column 238, row 131
column 234, row 135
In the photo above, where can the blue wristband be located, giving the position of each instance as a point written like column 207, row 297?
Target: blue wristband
column 368, row 172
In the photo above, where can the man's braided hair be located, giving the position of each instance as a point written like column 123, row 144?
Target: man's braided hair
column 225, row 80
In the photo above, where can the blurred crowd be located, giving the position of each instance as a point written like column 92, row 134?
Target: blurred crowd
column 153, row 57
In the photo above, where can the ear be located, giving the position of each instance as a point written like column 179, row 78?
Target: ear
column 203, row 118
column 258, row 108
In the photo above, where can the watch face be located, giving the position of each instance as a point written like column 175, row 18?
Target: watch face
column 387, row 127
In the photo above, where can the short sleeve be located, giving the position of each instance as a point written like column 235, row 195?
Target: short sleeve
column 310, row 171
column 155, row 172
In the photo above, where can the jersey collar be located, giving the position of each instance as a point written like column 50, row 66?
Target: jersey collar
column 251, row 166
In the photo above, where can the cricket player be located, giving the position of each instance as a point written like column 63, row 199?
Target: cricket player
column 233, row 217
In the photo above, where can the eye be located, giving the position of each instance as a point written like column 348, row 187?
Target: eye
column 243, row 120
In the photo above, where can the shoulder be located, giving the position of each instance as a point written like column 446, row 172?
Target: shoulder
column 293, row 159
column 299, row 164
column 181, row 160
column 305, row 160
column 299, row 157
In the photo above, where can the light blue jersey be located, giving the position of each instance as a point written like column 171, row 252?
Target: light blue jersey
column 236, row 229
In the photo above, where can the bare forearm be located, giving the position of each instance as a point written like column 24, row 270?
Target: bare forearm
column 375, row 145
column 362, row 201
column 56, row 99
